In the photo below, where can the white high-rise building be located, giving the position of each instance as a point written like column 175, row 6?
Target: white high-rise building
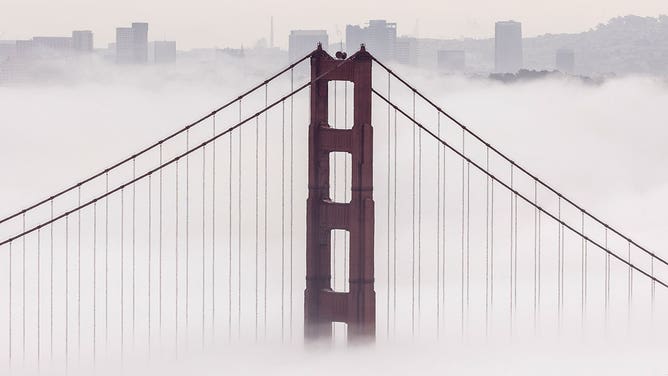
column 380, row 38
column 132, row 43
column 508, row 55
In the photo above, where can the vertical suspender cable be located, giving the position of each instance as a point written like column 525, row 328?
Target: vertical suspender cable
column 282, row 221
column 538, row 246
column 239, row 222
column 187, row 241
column 229, row 237
column 51, row 286
column 559, row 275
column 630, row 288
column 653, row 293
column 78, row 276
column 266, row 195
column 419, row 264
column 586, row 275
column 23, row 289
column 515, row 212
column 67, row 291
column 9, row 306
column 491, row 248
column 607, row 279
column 413, row 226
column 389, row 173
column 443, row 225
column 563, row 263
column 150, row 260
column 394, row 231
column 39, row 251
column 94, row 282
column 512, row 247
column 257, row 198
column 486, row 241
column 106, row 264
column 122, row 269
column 160, row 251
column 463, row 239
column 292, row 138
column 176, row 260
column 584, row 271
column 535, row 255
column 213, row 234
column 468, row 241
column 134, row 248
column 204, row 245
column 438, row 229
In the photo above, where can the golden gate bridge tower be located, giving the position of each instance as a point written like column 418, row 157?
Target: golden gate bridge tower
column 322, row 304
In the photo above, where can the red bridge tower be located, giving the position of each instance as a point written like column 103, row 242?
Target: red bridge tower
column 322, row 305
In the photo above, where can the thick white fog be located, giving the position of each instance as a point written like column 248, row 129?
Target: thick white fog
column 600, row 145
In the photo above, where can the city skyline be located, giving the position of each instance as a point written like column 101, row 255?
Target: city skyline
column 214, row 29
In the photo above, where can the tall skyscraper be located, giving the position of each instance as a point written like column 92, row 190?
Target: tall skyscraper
column 380, row 38
column 132, row 43
column 302, row 42
column 140, row 41
column 565, row 60
column 508, row 56
column 82, row 40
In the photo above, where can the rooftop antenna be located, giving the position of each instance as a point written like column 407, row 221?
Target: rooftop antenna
column 271, row 35
column 338, row 34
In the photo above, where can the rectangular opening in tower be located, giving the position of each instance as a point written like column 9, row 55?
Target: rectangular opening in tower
column 340, row 104
column 340, row 334
column 340, row 177
column 340, row 260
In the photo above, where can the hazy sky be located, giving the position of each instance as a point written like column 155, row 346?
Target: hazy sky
column 205, row 23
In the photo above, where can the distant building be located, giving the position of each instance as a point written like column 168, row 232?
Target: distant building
column 7, row 49
column 302, row 42
column 82, row 41
column 231, row 52
column 51, row 46
column 41, row 47
column 140, row 35
column 124, row 45
column 164, row 52
column 565, row 60
column 406, row 50
column 355, row 36
column 508, row 55
column 14, row 70
column 380, row 38
column 451, row 60
column 25, row 49
column 132, row 43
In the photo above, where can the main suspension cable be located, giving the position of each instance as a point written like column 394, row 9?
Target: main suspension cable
column 525, row 198
column 509, row 160
column 159, row 143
